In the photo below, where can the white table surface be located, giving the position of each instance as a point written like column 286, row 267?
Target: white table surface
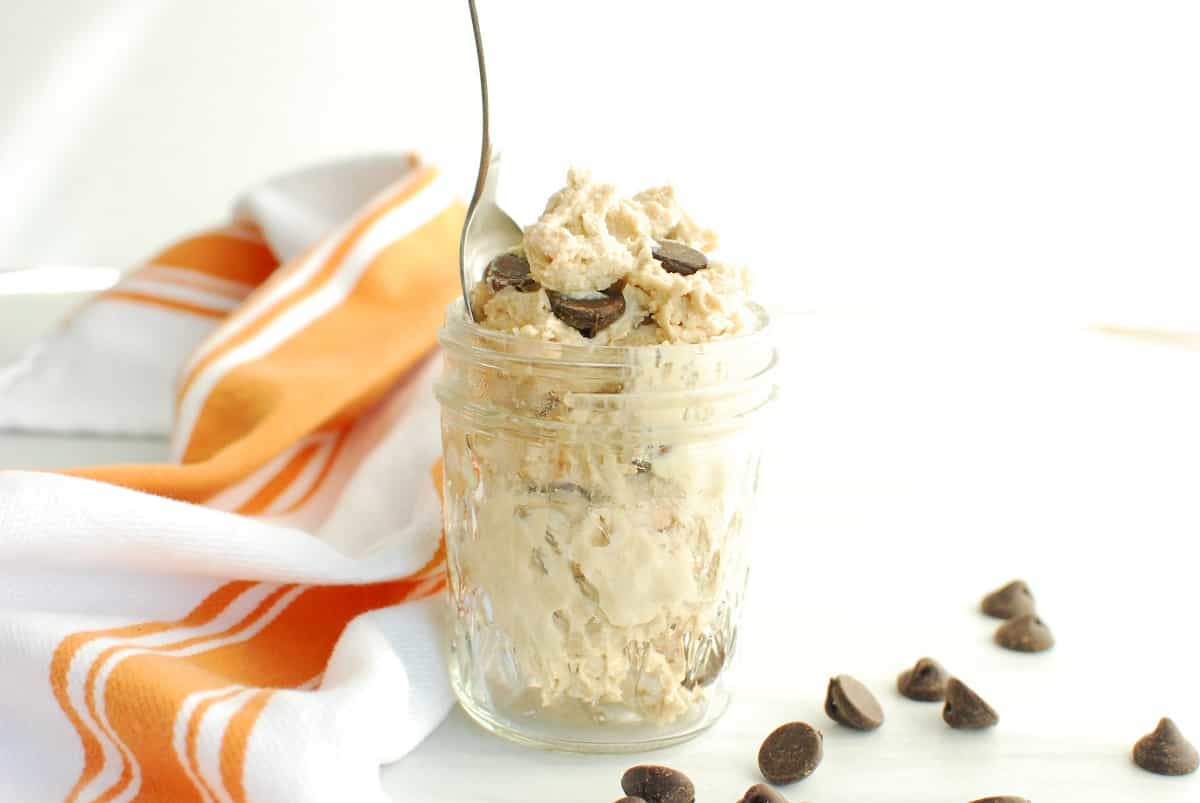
column 916, row 466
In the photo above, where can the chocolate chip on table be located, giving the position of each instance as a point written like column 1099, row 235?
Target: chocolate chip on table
column 1025, row 634
column 792, row 751
column 675, row 257
column 1001, row 799
column 656, row 784
column 850, row 703
column 1166, row 751
column 1014, row 599
column 510, row 270
column 966, row 710
column 761, row 793
column 591, row 314
column 925, row 682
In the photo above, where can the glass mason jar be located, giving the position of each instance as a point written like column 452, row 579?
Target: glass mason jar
column 597, row 511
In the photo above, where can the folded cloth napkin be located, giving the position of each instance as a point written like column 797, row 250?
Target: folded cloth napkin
column 258, row 619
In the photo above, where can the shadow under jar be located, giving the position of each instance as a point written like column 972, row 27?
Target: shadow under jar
column 597, row 510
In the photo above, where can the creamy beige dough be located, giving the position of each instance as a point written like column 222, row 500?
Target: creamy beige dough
column 588, row 239
column 612, row 570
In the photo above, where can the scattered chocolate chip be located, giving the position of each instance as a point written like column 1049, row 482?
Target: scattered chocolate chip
column 925, row 682
column 1166, row 751
column 966, row 710
column 1014, row 599
column 761, row 793
column 656, row 784
column 1001, row 799
column 792, row 751
column 1026, row 633
column 850, row 703
column 510, row 270
column 678, row 258
column 591, row 314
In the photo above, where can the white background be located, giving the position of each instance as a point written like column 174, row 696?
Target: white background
column 942, row 201
column 1027, row 159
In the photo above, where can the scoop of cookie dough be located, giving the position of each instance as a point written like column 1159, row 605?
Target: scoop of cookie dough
column 592, row 243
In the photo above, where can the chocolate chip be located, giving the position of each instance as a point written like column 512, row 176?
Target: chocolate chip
column 707, row 668
column 675, row 257
column 656, row 784
column 631, row 800
column 591, row 314
column 792, row 751
column 925, row 682
column 1166, row 751
column 1001, row 799
column 1014, row 599
column 510, row 270
column 966, row 710
column 850, row 703
column 1025, row 634
column 761, row 793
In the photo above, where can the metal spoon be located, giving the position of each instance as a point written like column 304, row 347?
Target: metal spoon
column 488, row 230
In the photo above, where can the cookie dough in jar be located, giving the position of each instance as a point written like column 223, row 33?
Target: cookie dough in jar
column 602, row 434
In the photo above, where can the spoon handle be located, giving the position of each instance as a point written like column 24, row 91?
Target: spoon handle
column 487, row 230
column 486, row 149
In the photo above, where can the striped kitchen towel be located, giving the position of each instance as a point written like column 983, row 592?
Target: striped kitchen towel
column 258, row 618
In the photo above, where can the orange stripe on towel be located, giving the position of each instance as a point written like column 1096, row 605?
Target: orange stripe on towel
column 236, row 743
column 193, row 732
column 145, row 750
column 343, row 436
column 339, row 364
column 168, row 303
column 411, row 185
column 145, row 692
column 60, row 665
column 281, row 481
column 362, row 337
column 237, row 257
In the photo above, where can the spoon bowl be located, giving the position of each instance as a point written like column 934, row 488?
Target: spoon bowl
column 488, row 230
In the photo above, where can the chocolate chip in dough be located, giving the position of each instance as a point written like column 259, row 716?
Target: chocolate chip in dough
column 966, row 710
column 678, row 258
column 761, row 793
column 850, row 703
column 1025, row 634
column 656, row 784
column 925, row 682
column 510, row 270
column 1001, row 799
column 707, row 666
column 591, row 314
column 1014, row 599
column 792, row 751
column 1166, row 751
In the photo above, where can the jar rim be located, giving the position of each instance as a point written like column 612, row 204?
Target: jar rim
column 460, row 330
column 706, row 388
